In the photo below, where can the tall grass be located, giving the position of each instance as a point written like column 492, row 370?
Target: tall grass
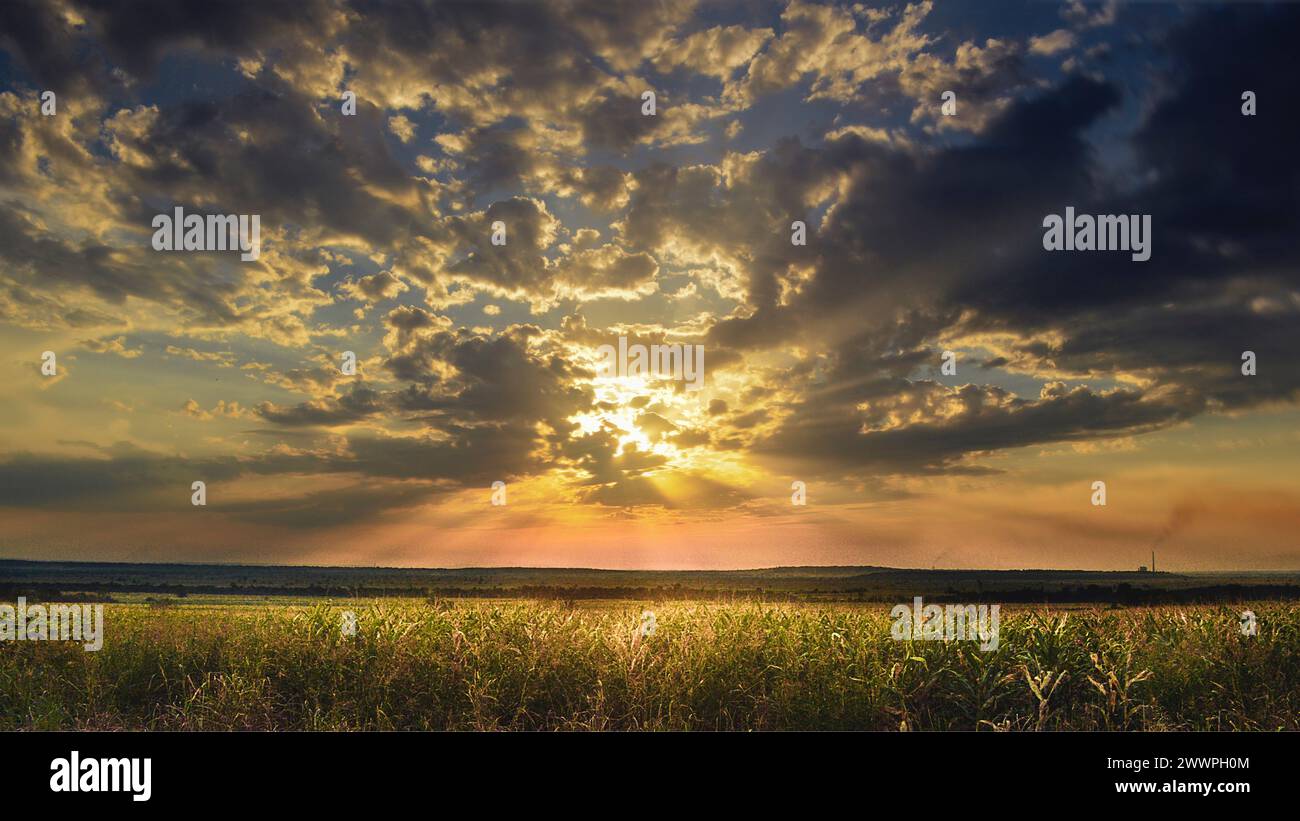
column 531, row 665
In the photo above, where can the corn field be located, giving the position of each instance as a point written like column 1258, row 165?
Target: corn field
column 526, row 665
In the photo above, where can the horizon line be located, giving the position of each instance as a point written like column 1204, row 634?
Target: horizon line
column 652, row 570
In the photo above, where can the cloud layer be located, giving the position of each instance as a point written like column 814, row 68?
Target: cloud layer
column 499, row 206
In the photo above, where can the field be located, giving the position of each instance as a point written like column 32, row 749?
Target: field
column 209, row 663
column 52, row 580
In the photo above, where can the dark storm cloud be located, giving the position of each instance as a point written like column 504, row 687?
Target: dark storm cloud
column 499, row 156
column 868, row 411
column 124, row 480
column 375, row 288
column 25, row 307
column 41, row 260
column 961, row 422
column 148, row 482
column 357, row 404
column 535, row 49
column 258, row 153
column 267, row 148
column 918, row 230
column 486, row 379
column 602, row 188
column 154, row 483
column 131, row 39
column 483, row 61
column 11, row 140
column 465, row 455
column 129, row 480
column 1197, row 348
column 450, row 41
column 266, row 151
column 1223, row 189
column 1224, row 194
column 517, row 266
column 42, row 42
column 743, row 217
column 137, row 36
column 912, row 225
column 614, row 122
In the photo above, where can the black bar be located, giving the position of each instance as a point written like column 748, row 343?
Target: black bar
column 1014, row 771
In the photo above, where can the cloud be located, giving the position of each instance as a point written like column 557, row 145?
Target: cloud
column 357, row 404
column 116, row 346
column 715, row 52
column 223, row 409
column 823, row 43
column 224, row 359
column 374, row 288
column 1049, row 44
column 923, row 235
column 402, row 127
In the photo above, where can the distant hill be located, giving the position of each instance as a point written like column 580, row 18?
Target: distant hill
column 38, row 579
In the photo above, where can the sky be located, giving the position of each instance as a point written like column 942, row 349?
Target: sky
column 479, row 361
